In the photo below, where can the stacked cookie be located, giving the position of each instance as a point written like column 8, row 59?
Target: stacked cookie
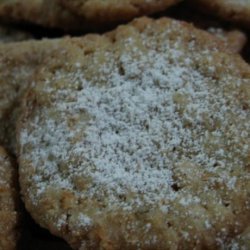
column 137, row 138
column 9, row 208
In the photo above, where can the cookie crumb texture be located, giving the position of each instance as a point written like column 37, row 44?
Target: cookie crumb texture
column 140, row 141
column 8, row 204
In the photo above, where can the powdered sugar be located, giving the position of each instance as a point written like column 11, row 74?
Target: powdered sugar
column 84, row 220
column 124, row 137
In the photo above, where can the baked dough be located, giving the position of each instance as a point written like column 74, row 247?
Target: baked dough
column 139, row 139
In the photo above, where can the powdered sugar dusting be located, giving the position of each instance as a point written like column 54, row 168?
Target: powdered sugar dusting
column 119, row 136
column 84, row 220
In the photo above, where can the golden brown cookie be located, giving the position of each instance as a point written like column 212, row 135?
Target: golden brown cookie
column 231, row 10
column 98, row 11
column 139, row 141
column 9, row 215
column 47, row 13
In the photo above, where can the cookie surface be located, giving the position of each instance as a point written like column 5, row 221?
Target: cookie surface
column 98, row 11
column 47, row 13
column 231, row 10
column 9, row 218
column 17, row 71
column 140, row 141
column 235, row 39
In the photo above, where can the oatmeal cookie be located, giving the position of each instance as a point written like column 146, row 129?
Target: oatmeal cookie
column 140, row 141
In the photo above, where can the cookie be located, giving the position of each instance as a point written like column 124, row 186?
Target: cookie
column 41, row 12
column 139, row 141
column 9, row 215
column 9, row 34
column 98, row 11
column 17, row 71
column 230, row 10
